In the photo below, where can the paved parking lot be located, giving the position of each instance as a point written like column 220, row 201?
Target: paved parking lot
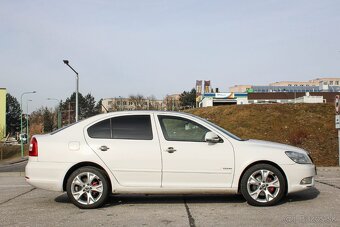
column 23, row 205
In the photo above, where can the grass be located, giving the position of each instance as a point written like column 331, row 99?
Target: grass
column 309, row 126
column 8, row 152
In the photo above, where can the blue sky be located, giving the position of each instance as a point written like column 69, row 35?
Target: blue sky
column 161, row 47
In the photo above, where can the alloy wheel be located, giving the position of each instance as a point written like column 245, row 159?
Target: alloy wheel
column 87, row 188
column 263, row 185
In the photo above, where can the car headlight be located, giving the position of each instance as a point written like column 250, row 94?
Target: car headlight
column 299, row 157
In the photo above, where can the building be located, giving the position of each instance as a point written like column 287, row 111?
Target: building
column 171, row 102
column 291, row 97
column 223, row 98
column 240, row 88
column 320, row 90
column 217, row 99
column 2, row 113
column 135, row 103
column 315, row 85
column 315, row 82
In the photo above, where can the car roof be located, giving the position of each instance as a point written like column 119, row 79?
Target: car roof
column 131, row 112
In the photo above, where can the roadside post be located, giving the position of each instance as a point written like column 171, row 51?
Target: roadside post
column 337, row 122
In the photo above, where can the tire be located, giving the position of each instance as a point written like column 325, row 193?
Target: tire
column 263, row 185
column 88, row 194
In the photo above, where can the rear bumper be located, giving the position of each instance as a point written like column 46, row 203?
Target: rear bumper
column 46, row 175
column 296, row 173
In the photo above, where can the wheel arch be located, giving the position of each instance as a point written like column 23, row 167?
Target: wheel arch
column 83, row 164
column 263, row 162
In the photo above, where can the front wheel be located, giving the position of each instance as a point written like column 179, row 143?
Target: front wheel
column 263, row 185
column 87, row 187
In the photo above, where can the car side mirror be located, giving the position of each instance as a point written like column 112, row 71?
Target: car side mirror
column 211, row 137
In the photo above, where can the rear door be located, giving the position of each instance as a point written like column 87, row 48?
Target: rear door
column 129, row 146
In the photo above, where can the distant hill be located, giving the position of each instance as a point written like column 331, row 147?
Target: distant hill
column 309, row 126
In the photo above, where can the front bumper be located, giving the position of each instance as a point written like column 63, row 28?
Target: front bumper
column 295, row 173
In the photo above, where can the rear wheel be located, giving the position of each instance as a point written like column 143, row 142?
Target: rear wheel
column 87, row 187
column 263, row 185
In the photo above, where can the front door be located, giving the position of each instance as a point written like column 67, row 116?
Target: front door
column 188, row 160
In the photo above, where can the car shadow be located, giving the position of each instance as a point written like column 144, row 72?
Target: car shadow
column 131, row 199
column 134, row 199
column 308, row 194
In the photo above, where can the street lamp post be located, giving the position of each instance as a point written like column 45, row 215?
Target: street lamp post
column 59, row 113
column 21, row 142
column 77, row 86
column 27, row 126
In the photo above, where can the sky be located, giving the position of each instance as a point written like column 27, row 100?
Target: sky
column 160, row 47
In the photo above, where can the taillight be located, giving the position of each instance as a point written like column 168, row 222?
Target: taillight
column 33, row 151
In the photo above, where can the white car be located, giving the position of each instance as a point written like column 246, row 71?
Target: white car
column 153, row 152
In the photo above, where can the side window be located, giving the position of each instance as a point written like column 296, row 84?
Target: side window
column 137, row 127
column 181, row 129
column 100, row 130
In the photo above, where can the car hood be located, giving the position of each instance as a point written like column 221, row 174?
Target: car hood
column 274, row 145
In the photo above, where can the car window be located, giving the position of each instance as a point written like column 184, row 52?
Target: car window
column 100, row 130
column 136, row 127
column 181, row 129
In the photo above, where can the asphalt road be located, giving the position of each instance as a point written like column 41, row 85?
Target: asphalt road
column 15, row 167
column 23, row 205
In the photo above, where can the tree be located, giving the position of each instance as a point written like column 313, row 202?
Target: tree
column 138, row 101
column 98, row 107
column 188, row 99
column 48, row 120
column 87, row 107
column 37, row 121
column 12, row 114
column 152, row 103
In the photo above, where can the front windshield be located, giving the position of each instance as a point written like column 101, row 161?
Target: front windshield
column 220, row 129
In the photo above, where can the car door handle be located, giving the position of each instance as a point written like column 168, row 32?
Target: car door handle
column 171, row 150
column 104, row 148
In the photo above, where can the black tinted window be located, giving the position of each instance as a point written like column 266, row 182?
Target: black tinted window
column 101, row 130
column 136, row 127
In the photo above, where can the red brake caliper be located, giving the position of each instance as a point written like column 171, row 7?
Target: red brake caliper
column 94, row 183
column 270, row 189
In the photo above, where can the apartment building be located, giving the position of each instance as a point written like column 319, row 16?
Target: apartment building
column 315, row 85
column 122, row 104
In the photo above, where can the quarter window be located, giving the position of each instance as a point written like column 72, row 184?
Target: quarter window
column 181, row 129
column 100, row 130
